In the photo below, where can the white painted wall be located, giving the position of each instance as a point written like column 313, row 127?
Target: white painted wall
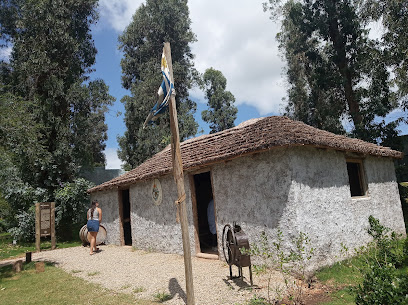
column 108, row 202
column 297, row 189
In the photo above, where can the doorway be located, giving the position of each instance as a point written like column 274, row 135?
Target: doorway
column 127, row 230
column 203, row 196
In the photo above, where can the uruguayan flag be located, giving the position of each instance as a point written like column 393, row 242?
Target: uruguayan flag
column 166, row 89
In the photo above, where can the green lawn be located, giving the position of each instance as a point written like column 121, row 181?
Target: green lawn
column 345, row 275
column 8, row 250
column 53, row 287
column 341, row 277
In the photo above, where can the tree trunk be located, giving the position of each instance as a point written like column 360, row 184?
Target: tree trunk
column 345, row 71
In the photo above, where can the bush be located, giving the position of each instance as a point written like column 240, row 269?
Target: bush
column 386, row 244
column 5, row 214
column 25, row 229
column 71, row 204
column 3, row 225
column 382, row 283
column 378, row 286
column 291, row 262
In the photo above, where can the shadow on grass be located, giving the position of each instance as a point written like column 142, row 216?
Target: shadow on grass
column 8, row 272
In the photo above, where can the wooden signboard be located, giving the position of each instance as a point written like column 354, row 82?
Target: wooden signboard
column 44, row 223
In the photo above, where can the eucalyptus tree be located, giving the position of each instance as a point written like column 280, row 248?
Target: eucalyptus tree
column 222, row 112
column 393, row 15
column 335, row 71
column 52, row 55
column 155, row 22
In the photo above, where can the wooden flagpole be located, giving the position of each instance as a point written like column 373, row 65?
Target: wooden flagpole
column 179, row 178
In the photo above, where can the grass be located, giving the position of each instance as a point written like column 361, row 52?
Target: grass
column 139, row 289
column 341, row 277
column 344, row 275
column 8, row 250
column 162, row 296
column 76, row 271
column 54, row 286
column 93, row 273
column 255, row 300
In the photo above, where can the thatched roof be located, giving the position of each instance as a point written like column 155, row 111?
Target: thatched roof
column 249, row 137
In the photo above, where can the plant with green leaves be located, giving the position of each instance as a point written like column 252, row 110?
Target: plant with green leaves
column 336, row 71
column 71, row 204
column 52, row 53
column 162, row 296
column 383, row 281
column 291, row 262
column 51, row 115
column 222, row 112
column 24, row 231
column 257, row 300
column 154, row 23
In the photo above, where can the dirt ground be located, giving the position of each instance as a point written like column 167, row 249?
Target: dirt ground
column 127, row 270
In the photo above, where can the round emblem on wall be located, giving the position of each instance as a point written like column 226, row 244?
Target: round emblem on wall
column 157, row 193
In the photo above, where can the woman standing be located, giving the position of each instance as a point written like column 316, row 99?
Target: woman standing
column 94, row 217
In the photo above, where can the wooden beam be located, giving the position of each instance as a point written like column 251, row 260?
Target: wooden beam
column 179, row 178
column 195, row 215
column 38, row 226
column 121, row 233
column 53, row 240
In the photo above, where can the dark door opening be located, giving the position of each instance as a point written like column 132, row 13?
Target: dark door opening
column 127, row 231
column 205, row 221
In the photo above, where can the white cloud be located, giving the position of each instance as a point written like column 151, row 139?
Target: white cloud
column 238, row 39
column 235, row 37
column 118, row 13
column 5, row 53
column 112, row 160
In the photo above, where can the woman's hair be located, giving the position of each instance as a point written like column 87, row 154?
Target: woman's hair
column 93, row 206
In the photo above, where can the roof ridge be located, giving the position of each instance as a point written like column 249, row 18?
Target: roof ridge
column 251, row 136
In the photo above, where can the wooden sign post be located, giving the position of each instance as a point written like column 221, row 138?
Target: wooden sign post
column 44, row 223
column 179, row 178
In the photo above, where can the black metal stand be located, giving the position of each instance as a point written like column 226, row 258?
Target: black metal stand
column 240, row 274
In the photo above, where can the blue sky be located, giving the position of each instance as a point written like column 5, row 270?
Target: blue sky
column 263, row 101
column 234, row 36
column 107, row 67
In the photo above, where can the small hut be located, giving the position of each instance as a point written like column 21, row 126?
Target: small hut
column 265, row 174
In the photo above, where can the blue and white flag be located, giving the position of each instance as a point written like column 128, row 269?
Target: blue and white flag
column 166, row 89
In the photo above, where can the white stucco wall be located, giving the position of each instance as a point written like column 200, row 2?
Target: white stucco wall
column 306, row 190
column 297, row 189
column 154, row 226
column 325, row 209
column 253, row 191
column 108, row 202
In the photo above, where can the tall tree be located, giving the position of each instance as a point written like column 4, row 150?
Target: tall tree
column 52, row 53
column 393, row 14
column 142, row 42
column 222, row 112
column 335, row 71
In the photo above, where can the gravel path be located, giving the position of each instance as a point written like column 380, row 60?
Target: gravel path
column 127, row 270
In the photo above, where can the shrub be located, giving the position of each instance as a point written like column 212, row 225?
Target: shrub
column 25, row 229
column 162, row 296
column 256, row 300
column 382, row 283
column 71, row 204
column 385, row 244
column 290, row 262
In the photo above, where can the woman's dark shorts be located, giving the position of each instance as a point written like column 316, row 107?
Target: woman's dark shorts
column 93, row 225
